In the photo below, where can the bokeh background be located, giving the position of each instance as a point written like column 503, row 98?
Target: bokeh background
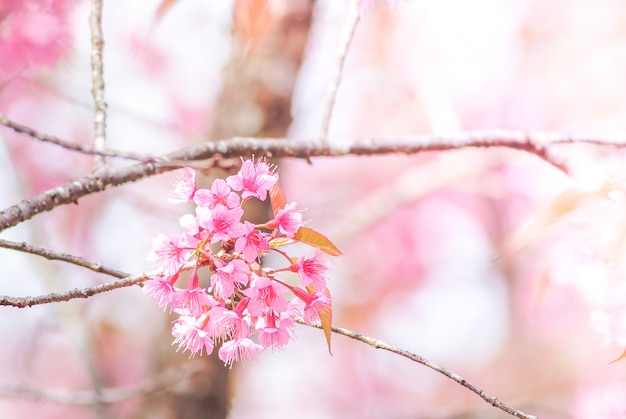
column 490, row 262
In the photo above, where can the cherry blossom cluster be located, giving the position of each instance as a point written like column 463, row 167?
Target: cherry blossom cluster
column 246, row 306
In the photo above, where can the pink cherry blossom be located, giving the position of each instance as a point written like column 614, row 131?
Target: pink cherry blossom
column 220, row 193
column 314, row 304
column 185, row 188
column 275, row 332
column 238, row 350
column 265, row 294
column 162, row 290
column 311, row 270
column 230, row 324
column 288, row 220
column 207, row 316
column 253, row 244
column 223, row 223
column 228, row 276
column 254, row 179
column 190, row 334
column 172, row 252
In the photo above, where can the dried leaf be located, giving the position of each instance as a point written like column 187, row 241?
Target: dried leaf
column 317, row 240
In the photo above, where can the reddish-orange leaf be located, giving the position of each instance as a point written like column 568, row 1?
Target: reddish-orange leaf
column 318, row 240
column 326, row 317
column 622, row 356
column 278, row 198
column 163, row 8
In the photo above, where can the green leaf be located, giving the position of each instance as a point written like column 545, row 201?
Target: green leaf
column 277, row 198
column 317, row 240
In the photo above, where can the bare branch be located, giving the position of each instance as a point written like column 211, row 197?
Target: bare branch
column 378, row 344
column 65, row 257
column 219, row 154
column 354, row 15
column 97, row 90
column 22, row 302
column 46, row 138
column 166, row 379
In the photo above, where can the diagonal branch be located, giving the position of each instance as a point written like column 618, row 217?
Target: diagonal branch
column 378, row 344
column 112, row 396
column 97, row 90
column 354, row 15
column 46, row 138
column 54, row 297
column 65, row 257
column 219, row 154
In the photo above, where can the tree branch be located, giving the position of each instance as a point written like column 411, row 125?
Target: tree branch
column 97, row 91
column 352, row 22
column 46, row 138
column 217, row 154
column 421, row 360
column 65, row 257
column 22, row 302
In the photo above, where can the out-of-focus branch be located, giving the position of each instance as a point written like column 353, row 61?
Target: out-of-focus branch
column 97, row 79
column 46, row 138
column 378, row 344
column 166, row 379
column 219, row 154
column 65, row 257
column 22, row 302
column 352, row 21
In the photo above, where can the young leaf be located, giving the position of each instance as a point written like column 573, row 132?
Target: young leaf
column 278, row 199
column 326, row 317
column 317, row 240
column 622, row 356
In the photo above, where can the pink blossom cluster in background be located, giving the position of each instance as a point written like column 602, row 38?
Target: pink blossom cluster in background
column 243, row 300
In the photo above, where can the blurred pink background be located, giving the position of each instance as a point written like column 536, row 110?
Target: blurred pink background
column 489, row 262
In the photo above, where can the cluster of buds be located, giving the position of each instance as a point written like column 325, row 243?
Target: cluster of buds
column 247, row 307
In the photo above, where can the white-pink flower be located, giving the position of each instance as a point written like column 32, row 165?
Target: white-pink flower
column 220, row 193
column 185, row 188
column 221, row 222
column 229, row 276
column 314, row 304
column 172, row 252
column 230, row 324
column 265, row 295
column 288, row 220
column 160, row 289
column 190, row 335
column 254, row 179
column 312, row 270
column 274, row 332
column 238, row 350
column 253, row 243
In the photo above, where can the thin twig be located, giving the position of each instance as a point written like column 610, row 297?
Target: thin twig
column 46, row 138
column 97, row 78
column 166, row 379
column 54, row 297
column 65, row 257
column 352, row 21
column 421, row 360
column 219, row 154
